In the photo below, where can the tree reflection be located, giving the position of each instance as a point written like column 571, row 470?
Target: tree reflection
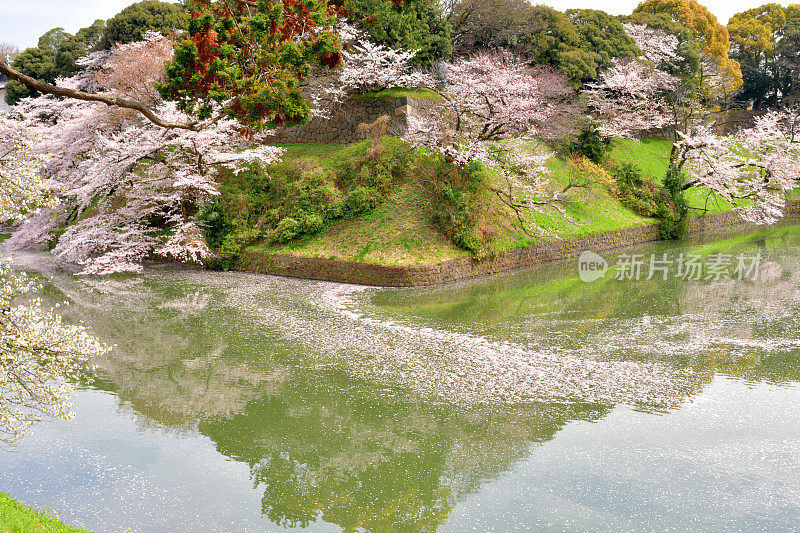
column 372, row 463
column 324, row 444
column 321, row 444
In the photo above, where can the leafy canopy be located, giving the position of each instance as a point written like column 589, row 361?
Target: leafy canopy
column 130, row 24
column 602, row 35
column 250, row 58
column 712, row 36
column 687, row 63
column 579, row 42
column 765, row 41
column 409, row 25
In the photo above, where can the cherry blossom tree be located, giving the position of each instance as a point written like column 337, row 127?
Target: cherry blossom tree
column 659, row 47
column 128, row 187
column 25, row 192
column 632, row 95
column 365, row 67
column 495, row 110
column 372, row 67
column 707, row 81
column 124, row 179
column 754, row 168
column 40, row 357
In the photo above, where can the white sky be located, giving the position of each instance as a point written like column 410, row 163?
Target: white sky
column 23, row 21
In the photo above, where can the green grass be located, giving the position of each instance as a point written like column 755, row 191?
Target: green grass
column 652, row 156
column 587, row 212
column 314, row 150
column 401, row 231
column 16, row 518
column 398, row 92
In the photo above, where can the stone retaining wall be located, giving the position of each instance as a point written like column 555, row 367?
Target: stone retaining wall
column 342, row 125
column 457, row 269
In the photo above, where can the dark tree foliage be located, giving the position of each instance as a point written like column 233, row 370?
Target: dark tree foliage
column 131, row 23
column 789, row 61
column 58, row 51
column 410, row 25
column 91, row 37
column 53, row 40
column 602, row 35
column 487, row 24
column 55, row 57
column 549, row 37
column 251, row 57
column 578, row 43
column 765, row 41
column 36, row 62
column 711, row 36
column 590, row 144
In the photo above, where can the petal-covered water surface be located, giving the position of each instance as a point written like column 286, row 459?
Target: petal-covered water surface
column 528, row 400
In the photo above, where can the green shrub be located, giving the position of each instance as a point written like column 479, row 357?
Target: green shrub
column 647, row 199
column 460, row 204
column 672, row 225
column 378, row 165
column 287, row 229
column 635, row 193
column 311, row 224
column 361, row 200
column 300, row 196
column 674, row 181
column 219, row 262
column 454, row 215
column 309, row 188
column 590, row 144
column 675, row 222
column 215, row 222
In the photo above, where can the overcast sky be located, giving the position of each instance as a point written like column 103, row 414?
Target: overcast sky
column 23, row 21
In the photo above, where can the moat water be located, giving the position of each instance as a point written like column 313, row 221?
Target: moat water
column 526, row 401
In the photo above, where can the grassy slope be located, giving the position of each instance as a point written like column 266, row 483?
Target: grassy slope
column 591, row 212
column 400, row 231
column 397, row 232
column 652, row 156
column 16, row 518
column 397, row 92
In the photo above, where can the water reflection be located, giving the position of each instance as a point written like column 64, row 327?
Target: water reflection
column 341, row 401
column 740, row 328
column 321, row 444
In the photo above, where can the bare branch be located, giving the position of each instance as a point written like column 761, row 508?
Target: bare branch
column 107, row 99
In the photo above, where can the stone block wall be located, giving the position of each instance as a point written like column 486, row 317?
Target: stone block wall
column 342, row 125
column 729, row 122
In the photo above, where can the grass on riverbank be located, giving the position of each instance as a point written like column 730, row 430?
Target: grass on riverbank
column 378, row 202
column 421, row 93
column 16, row 518
column 401, row 229
column 652, row 156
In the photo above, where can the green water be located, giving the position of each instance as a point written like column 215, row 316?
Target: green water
column 528, row 401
